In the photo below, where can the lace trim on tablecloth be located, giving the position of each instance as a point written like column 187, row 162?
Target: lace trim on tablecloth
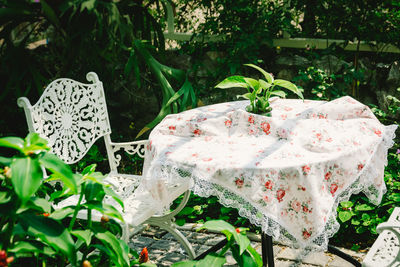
column 363, row 183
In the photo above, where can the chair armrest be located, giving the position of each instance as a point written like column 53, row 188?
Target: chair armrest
column 135, row 147
column 391, row 226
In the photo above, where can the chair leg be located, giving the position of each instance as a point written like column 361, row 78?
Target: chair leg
column 166, row 222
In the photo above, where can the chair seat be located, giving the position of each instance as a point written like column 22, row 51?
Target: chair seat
column 138, row 207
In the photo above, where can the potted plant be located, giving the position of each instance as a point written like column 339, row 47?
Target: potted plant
column 259, row 91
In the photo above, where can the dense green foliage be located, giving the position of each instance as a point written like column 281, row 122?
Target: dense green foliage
column 34, row 232
column 122, row 41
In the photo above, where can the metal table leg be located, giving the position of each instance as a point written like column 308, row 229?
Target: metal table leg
column 267, row 250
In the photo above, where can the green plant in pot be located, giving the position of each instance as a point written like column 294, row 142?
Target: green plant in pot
column 259, row 91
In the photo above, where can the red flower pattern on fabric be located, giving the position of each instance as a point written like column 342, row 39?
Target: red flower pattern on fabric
column 239, row 182
column 265, row 126
column 333, row 189
column 280, row 194
column 251, row 119
column 268, row 184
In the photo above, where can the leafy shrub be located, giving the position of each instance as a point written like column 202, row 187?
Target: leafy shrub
column 33, row 231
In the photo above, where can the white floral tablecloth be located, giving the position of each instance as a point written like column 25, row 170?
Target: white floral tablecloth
column 286, row 173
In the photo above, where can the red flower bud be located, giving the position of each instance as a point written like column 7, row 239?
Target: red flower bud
column 144, row 256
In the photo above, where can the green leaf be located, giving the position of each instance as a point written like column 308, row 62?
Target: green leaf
column 115, row 196
column 94, row 191
column 242, row 240
column 245, row 96
column 110, row 241
column 5, row 161
column 88, row 4
column 253, row 84
column 264, row 84
column 50, row 232
column 218, row 225
column 365, row 217
column 4, row 197
column 257, row 258
column 211, row 260
column 12, row 142
column 26, row 177
column 363, row 207
column 279, row 93
column 180, row 221
column 60, row 214
column 107, row 209
column 186, row 211
column 267, row 76
column 89, row 169
column 60, row 170
column 355, row 222
column 50, row 14
column 346, row 204
column 84, row 235
column 185, row 264
column 243, row 259
column 233, row 81
column 345, row 215
column 42, row 203
column 31, row 246
column 290, row 86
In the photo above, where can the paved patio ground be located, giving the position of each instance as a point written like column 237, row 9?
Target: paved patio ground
column 164, row 250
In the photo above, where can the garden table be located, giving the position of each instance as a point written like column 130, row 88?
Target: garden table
column 286, row 173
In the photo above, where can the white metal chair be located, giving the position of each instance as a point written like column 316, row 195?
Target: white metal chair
column 386, row 249
column 72, row 116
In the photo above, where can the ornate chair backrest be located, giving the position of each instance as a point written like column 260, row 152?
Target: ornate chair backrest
column 70, row 115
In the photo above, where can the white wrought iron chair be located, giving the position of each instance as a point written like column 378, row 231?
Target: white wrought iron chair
column 72, row 116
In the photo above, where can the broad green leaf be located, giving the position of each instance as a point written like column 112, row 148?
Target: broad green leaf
column 257, row 258
column 245, row 96
column 84, row 235
column 60, row 170
column 243, row 259
column 279, row 93
column 129, row 64
column 89, row 169
column 12, row 142
column 180, row 221
column 363, row 207
column 365, row 217
column 355, row 222
column 186, row 211
column 94, row 191
column 110, row 241
column 115, row 196
column 346, row 204
column 345, row 215
column 26, row 177
column 267, row 76
column 31, row 246
column 104, row 208
column 211, row 260
column 34, row 143
column 252, row 83
column 290, row 86
column 233, row 81
column 88, row 4
column 50, row 232
column 264, row 84
column 4, row 197
column 5, row 161
column 60, row 214
column 185, row 264
column 44, row 204
column 218, row 225
column 50, row 14
column 242, row 240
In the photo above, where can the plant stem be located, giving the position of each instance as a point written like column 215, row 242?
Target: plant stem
column 89, row 218
column 77, row 208
column 225, row 249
